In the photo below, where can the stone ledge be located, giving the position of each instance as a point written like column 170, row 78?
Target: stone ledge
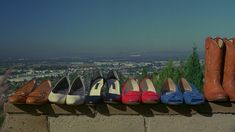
column 196, row 123
column 25, row 123
column 115, row 123
column 214, row 117
column 120, row 109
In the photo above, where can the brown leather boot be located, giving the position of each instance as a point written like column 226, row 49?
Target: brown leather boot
column 229, row 69
column 214, row 60
column 20, row 96
column 40, row 94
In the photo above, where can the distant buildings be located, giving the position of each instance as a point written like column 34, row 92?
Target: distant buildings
column 24, row 72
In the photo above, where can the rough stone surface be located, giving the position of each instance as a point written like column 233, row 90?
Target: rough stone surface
column 24, row 123
column 209, row 117
column 196, row 123
column 115, row 123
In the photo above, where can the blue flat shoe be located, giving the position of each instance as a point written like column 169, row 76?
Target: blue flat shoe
column 191, row 94
column 171, row 93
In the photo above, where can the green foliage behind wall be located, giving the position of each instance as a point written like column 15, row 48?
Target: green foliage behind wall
column 191, row 69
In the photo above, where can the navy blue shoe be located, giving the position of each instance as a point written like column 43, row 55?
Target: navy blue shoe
column 191, row 94
column 171, row 93
column 112, row 91
column 96, row 86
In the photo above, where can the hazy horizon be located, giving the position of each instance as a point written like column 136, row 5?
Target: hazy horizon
column 144, row 57
column 47, row 29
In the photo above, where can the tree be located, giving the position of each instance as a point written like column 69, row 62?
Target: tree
column 156, row 83
column 179, row 72
column 122, row 78
column 193, row 69
column 167, row 72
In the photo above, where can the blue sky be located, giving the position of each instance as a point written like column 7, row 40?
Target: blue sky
column 54, row 28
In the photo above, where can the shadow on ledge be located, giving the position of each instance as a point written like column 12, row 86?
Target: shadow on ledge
column 183, row 109
column 203, row 109
column 206, row 109
column 144, row 110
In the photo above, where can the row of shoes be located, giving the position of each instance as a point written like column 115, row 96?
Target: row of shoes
column 101, row 89
column 219, row 69
column 107, row 90
column 171, row 93
column 219, row 84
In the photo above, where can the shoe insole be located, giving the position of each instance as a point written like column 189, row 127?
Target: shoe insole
column 77, row 88
column 96, row 87
column 62, row 91
column 79, row 91
column 62, row 86
column 147, row 85
column 132, row 86
column 171, row 85
column 114, row 86
column 185, row 85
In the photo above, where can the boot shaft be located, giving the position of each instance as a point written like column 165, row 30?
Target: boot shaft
column 229, row 65
column 229, row 69
column 214, row 59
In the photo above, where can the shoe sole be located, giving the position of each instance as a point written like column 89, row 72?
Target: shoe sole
column 232, row 100
column 132, row 103
column 17, row 103
column 35, row 103
column 112, row 102
column 150, row 102
column 218, row 99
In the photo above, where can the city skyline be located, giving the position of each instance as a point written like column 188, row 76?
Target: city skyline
column 109, row 28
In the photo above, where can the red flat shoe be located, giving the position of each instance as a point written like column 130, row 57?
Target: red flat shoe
column 149, row 94
column 131, row 92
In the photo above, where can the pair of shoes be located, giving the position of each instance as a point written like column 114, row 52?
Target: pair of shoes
column 101, row 90
column 30, row 93
column 177, row 94
column 64, row 93
column 219, row 69
column 145, row 92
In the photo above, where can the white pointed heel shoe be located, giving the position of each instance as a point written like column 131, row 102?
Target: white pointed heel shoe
column 76, row 95
column 60, row 91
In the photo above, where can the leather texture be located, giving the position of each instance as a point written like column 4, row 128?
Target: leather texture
column 40, row 94
column 148, row 92
column 21, row 94
column 214, row 60
column 131, row 92
column 75, row 100
column 171, row 93
column 76, row 95
column 96, row 87
column 112, row 90
column 191, row 94
column 229, row 69
column 60, row 91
